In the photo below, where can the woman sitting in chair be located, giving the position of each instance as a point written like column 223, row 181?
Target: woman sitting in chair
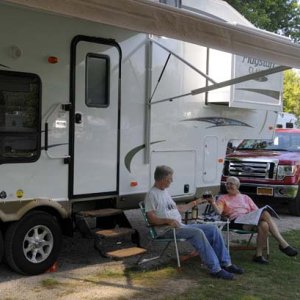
column 234, row 204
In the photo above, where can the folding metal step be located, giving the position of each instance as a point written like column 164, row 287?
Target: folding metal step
column 126, row 252
column 115, row 232
column 104, row 212
column 112, row 232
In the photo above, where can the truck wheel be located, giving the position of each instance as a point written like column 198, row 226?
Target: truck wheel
column 294, row 205
column 1, row 246
column 32, row 244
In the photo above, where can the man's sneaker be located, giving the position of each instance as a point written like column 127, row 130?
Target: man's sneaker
column 289, row 251
column 234, row 269
column 222, row 274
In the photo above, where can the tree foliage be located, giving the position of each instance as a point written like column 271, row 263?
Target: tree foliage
column 280, row 16
column 291, row 92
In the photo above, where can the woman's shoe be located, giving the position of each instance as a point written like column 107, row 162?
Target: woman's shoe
column 289, row 251
column 260, row 260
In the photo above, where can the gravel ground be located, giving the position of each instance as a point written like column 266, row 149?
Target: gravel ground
column 79, row 261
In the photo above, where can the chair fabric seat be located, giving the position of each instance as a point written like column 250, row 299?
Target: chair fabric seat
column 154, row 237
column 210, row 211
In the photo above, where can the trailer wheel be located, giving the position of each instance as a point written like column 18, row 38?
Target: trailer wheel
column 32, row 244
column 1, row 246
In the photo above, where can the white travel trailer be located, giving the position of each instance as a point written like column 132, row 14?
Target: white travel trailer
column 95, row 94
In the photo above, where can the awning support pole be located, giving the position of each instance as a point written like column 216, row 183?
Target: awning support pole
column 184, row 61
column 239, row 79
column 149, row 48
column 226, row 83
column 160, row 76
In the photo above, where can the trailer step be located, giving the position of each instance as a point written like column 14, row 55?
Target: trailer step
column 127, row 252
column 115, row 232
column 104, row 212
column 112, row 232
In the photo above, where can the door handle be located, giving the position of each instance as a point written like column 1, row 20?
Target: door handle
column 78, row 118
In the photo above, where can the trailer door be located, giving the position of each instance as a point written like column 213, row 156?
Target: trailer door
column 95, row 96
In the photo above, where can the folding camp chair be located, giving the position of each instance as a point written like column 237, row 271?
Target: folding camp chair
column 154, row 237
column 209, row 213
column 248, row 245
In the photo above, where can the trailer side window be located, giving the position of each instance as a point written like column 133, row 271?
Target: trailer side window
column 97, row 80
column 20, row 123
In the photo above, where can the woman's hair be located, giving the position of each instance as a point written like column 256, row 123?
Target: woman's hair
column 234, row 180
column 161, row 172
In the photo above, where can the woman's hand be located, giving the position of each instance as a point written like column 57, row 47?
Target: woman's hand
column 211, row 200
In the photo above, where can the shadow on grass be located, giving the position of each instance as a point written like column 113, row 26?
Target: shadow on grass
column 278, row 280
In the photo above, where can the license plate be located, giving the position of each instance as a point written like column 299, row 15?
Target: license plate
column 264, row 191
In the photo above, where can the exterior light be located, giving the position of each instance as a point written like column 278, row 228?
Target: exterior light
column 52, row 60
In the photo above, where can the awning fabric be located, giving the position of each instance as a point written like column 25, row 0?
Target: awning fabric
column 159, row 19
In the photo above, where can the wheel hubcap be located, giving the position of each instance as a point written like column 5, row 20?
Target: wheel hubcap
column 38, row 244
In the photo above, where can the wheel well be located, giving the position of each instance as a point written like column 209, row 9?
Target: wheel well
column 66, row 224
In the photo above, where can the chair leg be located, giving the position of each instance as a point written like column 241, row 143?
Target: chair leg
column 228, row 236
column 176, row 248
column 163, row 251
column 145, row 260
column 268, row 248
column 250, row 239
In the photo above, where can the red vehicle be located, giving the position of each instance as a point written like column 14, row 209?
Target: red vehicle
column 268, row 170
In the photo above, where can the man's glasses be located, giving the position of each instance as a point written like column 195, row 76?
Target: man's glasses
column 229, row 183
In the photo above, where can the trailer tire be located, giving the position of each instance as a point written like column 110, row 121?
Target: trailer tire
column 32, row 244
column 1, row 246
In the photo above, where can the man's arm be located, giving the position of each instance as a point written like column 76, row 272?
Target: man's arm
column 184, row 207
column 154, row 220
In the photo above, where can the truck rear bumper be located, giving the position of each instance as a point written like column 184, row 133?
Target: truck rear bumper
column 267, row 190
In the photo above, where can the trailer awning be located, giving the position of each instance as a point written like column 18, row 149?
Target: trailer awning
column 159, row 19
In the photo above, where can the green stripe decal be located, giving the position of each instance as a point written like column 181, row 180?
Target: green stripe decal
column 129, row 156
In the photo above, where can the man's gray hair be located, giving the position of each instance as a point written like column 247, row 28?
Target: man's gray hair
column 234, row 180
column 161, row 172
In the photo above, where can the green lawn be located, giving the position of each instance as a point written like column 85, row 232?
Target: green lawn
column 278, row 280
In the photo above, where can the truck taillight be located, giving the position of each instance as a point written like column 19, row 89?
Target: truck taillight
column 285, row 170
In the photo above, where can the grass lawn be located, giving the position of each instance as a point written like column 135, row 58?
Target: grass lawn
column 278, row 280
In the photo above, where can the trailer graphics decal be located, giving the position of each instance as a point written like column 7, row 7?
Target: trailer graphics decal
column 269, row 93
column 4, row 66
column 129, row 156
column 217, row 121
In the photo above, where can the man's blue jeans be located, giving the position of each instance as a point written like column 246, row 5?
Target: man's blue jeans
column 208, row 242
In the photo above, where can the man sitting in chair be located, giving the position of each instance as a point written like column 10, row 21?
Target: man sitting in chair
column 164, row 214
column 234, row 204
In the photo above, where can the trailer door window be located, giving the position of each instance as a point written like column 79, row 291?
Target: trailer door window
column 20, row 123
column 97, row 80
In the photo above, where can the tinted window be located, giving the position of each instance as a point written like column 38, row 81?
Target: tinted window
column 19, row 117
column 97, row 80
column 283, row 141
